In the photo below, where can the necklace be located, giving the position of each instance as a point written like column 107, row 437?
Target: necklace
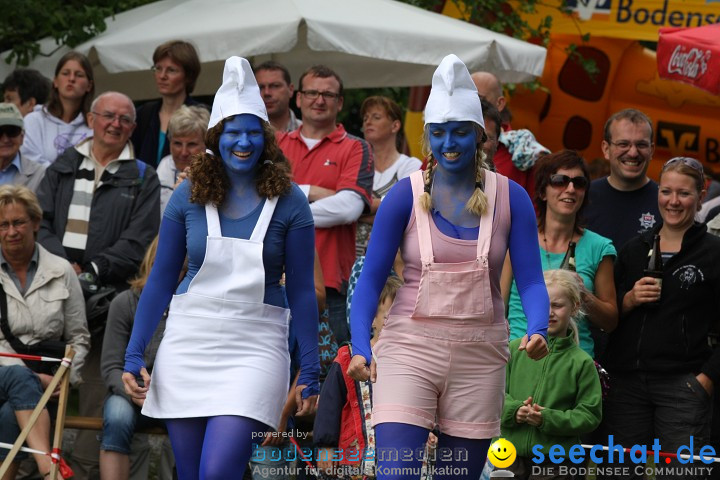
column 547, row 252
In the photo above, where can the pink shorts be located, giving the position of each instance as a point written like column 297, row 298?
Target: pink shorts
column 431, row 371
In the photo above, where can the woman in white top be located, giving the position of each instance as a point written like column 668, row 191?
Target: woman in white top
column 61, row 122
column 382, row 128
column 186, row 131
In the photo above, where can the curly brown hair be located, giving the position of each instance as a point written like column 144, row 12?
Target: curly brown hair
column 210, row 181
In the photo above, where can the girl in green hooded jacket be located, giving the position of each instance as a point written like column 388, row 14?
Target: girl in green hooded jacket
column 556, row 399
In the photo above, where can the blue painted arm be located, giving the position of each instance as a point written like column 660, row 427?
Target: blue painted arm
column 158, row 291
column 525, row 259
column 390, row 222
column 300, row 288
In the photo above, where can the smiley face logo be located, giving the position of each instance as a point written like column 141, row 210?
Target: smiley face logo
column 502, row 453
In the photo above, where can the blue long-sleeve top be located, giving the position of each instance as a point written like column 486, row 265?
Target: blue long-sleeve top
column 287, row 247
column 391, row 221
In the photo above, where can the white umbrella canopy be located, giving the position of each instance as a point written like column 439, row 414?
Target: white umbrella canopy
column 370, row 43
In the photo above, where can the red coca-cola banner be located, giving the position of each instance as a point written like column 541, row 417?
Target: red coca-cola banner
column 691, row 55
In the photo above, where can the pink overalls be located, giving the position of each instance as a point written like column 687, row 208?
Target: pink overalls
column 443, row 359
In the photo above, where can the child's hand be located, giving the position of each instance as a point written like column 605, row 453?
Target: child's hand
column 324, row 460
column 523, row 412
column 535, row 416
column 358, row 369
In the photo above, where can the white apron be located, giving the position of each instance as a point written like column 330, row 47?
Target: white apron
column 224, row 351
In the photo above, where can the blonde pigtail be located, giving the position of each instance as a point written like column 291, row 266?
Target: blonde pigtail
column 425, row 197
column 477, row 203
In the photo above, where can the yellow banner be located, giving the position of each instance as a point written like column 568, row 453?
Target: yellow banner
column 631, row 19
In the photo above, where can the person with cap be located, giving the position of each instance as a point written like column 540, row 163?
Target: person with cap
column 14, row 167
column 441, row 358
column 222, row 370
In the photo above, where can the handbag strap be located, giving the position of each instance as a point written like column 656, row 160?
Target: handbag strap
column 14, row 342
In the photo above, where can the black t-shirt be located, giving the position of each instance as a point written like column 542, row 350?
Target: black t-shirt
column 621, row 215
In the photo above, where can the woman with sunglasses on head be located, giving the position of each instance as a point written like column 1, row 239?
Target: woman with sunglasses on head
column 62, row 122
column 662, row 369
column 561, row 193
column 176, row 67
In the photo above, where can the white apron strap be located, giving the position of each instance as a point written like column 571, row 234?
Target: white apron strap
column 263, row 222
column 422, row 218
column 486, row 221
column 213, row 220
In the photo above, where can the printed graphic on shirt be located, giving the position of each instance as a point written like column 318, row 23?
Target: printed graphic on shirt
column 647, row 221
column 688, row 276
column 66, row 140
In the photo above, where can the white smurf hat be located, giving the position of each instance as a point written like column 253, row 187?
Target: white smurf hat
column 239, row 93
column 454, row 97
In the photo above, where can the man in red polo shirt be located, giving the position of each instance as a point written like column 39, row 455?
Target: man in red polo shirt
column 335, row 170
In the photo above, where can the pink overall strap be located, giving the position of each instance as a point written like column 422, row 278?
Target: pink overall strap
column 486, row 221
column 422, row 218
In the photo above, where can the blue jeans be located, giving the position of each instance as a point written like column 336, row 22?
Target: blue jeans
column 670, row 407
column 120, row 419
column 337, row 314
column 20, row 389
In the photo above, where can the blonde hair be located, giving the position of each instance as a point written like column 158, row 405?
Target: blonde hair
column 477, row 203
column 567, row 282
column 138, row 283
column 18, row 194
column 392, row 285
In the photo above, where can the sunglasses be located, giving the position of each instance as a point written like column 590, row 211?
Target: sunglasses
column 11, row 131
column 558, row 180
column 690, row 162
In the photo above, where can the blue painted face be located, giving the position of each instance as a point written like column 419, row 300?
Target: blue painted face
column 453, row 145
column 242, row 143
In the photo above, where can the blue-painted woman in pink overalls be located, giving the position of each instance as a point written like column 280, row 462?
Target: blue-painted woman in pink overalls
column 440, row 361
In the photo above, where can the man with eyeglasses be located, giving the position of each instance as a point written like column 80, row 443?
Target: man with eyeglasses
column 14, row 167
column 624, row 203
column 101, row 206
column 335, row 170
column 277, row 90
column 101, row 210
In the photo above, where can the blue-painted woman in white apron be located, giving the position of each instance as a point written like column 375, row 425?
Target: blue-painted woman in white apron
column 222, row 371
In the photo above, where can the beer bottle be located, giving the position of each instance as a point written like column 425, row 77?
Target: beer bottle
column 568, row 262
column 655, row 265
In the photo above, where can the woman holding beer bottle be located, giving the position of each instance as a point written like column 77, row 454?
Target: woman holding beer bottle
column 662, row 369
column 561, row 192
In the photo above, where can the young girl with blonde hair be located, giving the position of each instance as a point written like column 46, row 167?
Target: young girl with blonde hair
column 558, row 398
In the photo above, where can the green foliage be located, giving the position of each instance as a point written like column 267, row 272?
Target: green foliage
column 69, row 22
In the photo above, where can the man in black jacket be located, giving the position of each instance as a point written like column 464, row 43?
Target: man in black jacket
column 101, row 210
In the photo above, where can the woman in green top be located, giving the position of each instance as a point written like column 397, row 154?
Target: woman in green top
column 561, row 192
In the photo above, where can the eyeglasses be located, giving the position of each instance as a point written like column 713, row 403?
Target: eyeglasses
column 690, row 162
column 125, row 120
column 16, row 224
column 624, row 145
column 11, row 131
column 313, row 94
column 171, row 71
column 559, row 180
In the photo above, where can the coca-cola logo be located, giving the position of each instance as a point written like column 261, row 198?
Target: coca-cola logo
column 691, row 63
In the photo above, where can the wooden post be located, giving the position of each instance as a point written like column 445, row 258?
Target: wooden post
column 60, row 420
column 61, row 372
